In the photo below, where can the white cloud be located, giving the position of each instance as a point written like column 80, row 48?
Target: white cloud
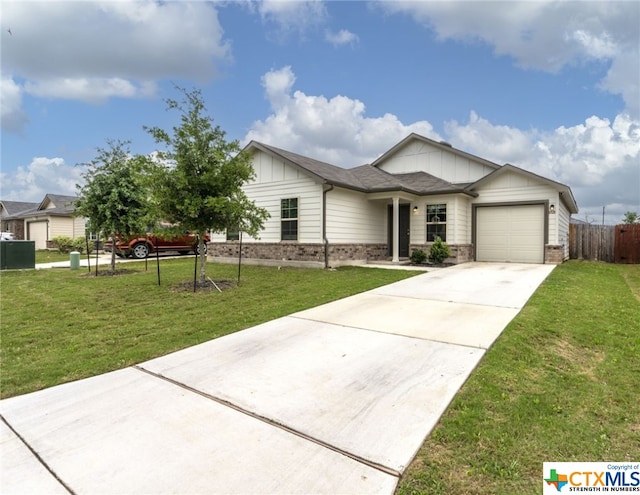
column 91, row 51
column 545, row 34
column 342, row 37
column 598, row 159
column 290, row 17
column 90, row 90
column 331, row 129
column 12, row 116
column 42, row 176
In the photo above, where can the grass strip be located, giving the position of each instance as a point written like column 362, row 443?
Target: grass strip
column 560, row 384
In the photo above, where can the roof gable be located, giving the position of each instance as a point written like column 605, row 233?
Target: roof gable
column 58, row 203
column 565, row 191
column 365, row 178
column 436, row 145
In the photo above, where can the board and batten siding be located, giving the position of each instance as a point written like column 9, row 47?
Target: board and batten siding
column 418, row 156
column 274, row 181
column 352, row 218
column 512, row 187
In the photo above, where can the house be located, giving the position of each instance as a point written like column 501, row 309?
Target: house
column 41, row 222
column 324, row 215
column 11, row 219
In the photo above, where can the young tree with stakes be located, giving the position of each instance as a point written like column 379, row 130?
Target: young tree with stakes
column 199, row 188
column 114, row 197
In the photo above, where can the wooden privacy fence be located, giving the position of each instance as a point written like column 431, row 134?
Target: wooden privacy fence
column 613, row 244
column 627, row 243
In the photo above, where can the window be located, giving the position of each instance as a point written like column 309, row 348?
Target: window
column 233, row 234
column 289, row 219
column 436, row 222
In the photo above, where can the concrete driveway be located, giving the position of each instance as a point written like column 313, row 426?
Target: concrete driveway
column 335, row 399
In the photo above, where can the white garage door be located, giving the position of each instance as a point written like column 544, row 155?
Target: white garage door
column 510, row 233
column 37, row 231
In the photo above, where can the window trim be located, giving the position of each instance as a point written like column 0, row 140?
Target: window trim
column 290, row 219
column 438, row 222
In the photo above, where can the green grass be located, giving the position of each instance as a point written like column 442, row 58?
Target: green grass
column 59, row 325
column 560, row 384
column 47, row 256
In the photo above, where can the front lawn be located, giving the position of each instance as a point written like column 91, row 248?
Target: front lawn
column 59, row 325
column 560, row 384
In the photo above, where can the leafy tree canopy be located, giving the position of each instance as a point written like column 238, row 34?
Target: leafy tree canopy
column 114, row 197
column 631, row 217
column 200, row 185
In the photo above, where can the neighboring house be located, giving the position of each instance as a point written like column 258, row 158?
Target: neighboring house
column 326, row 215
column 10, row 217
column 50, row 218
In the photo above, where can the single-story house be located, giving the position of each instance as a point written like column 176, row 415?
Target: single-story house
column 420, row 189
column 11, row 219
column 41, row 222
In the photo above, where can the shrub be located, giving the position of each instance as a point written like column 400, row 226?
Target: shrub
column 418, row 256
column 79, row 244
column 65, row 244
column 439, row 251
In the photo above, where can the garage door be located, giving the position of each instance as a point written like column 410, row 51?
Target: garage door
column 37, row 231
column 510, row 233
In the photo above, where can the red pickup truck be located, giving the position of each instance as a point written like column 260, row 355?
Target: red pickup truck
column 141, row 246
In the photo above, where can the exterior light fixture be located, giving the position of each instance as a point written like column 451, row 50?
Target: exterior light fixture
column 552, row 209
column 415, row 210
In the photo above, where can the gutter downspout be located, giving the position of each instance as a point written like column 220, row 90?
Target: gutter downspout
column 324, row 226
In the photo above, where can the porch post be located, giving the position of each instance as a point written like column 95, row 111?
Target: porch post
column 396, row 230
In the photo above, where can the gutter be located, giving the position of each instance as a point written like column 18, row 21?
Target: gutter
column 324, row 225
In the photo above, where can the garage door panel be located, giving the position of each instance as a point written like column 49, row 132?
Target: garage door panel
column 510, row 234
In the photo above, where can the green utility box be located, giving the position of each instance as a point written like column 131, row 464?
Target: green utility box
column 17, row 255
column 74, row 260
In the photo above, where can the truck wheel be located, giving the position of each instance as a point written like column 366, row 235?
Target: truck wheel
column 140, row 251
column 196, row 249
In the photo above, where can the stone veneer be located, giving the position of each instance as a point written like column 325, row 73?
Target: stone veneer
column 339, row 254
column 459, row 253
column 313, row 254
column 295, row 253
column 553, row 254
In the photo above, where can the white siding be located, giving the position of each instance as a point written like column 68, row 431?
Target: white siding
column 352, row 218
column 564, row 219
column 276, row 180
column 419, row 156
column 458, row 218
column 512, row 187
column 66, row 226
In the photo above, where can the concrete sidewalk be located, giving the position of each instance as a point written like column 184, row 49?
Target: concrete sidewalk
column 334, row 399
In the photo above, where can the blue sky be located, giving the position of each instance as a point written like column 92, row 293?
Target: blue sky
column 552, row 87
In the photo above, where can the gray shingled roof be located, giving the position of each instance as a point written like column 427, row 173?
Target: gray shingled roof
column 63, row 204
column 14, row 208
column 366, row 178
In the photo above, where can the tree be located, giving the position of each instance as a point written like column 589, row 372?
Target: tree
column 631, row 217
column 200, row 186
column 114, row 197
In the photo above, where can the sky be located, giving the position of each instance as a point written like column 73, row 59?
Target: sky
column 551, row 87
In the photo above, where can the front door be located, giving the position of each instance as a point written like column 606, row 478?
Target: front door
column 403, row 246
